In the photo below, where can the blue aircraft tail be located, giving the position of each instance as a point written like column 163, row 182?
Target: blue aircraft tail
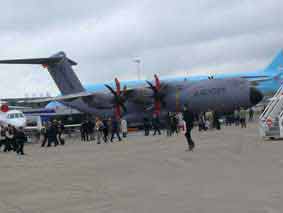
column 276, row 64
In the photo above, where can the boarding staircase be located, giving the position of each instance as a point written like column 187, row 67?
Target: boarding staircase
column 271, row 119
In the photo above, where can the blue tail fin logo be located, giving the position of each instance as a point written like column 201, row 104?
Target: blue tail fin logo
column 276, row 65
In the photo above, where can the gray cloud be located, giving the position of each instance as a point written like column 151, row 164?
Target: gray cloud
column 170, row 38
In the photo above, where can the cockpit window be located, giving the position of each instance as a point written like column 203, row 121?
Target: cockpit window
column 15, row 115
column 11, row 116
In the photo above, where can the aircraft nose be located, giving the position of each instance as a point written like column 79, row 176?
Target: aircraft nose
column 255, row 96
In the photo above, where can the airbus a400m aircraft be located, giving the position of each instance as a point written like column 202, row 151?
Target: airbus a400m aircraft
column 145, row 96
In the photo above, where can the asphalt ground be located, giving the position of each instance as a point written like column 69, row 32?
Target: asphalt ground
column 231, row 170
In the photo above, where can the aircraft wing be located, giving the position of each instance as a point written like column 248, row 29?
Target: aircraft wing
column 141, row 95
column 66, row 98
column 255, row 80
column 18, row 107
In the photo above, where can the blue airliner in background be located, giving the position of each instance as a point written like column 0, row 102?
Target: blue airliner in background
column 267, row 80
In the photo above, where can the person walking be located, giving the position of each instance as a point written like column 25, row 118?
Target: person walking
column 83, row 130
column 2, row 136
column 156, row 124
column 146, row 125
column 61, row 129
column 124, row 127
column 168, row 124
column 52, row 134
column 44, row 134
column 242, row 115
column 115, row 130
column 21, row 139
column 105, row 130
column 9, row 137
column 209, row 118
column 251, row 114
column 216, row 122
column 236, row 117
column 188, row 117
column 98, row 129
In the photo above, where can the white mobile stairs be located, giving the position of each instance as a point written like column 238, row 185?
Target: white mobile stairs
column 271, row 120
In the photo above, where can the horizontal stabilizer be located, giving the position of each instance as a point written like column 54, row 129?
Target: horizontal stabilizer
column 47, row 61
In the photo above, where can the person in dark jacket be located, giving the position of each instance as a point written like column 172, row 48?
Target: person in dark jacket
column 20, row 140
column 2, row 136
column 105, row 130
column 44, row 134
column 61, row 129
column 146, row 124
column 115, row 130
column 9, row 138
column 52, row 132
column 188, row 117
column 156, row 124
column 83, row 130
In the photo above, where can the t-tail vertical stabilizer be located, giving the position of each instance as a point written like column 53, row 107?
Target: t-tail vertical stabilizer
column 60, row 68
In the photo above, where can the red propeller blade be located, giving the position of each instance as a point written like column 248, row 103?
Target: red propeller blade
column 118, row 112
column 118, row 92
column 157, row 103
column 157, row 82
column 118, row 88
column 157, row 107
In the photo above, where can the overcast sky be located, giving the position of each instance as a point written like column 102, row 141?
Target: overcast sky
column 169, row 37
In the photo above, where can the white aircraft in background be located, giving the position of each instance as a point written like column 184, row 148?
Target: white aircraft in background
column 13, row 117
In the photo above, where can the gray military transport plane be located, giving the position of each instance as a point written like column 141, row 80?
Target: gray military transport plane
column 221, row 95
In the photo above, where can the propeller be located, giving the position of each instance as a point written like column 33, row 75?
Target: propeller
column 119, row 98
column 158, row 94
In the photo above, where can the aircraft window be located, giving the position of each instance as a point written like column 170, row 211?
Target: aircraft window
column 11, row 116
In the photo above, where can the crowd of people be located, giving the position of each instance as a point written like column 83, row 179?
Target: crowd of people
column 12, row 139
column 52, row 133
column 103, row 129
column 107, row 129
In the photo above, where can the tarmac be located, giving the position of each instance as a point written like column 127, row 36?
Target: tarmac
column 231, row 170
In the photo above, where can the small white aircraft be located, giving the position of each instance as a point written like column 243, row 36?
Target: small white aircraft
column 13, row 117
